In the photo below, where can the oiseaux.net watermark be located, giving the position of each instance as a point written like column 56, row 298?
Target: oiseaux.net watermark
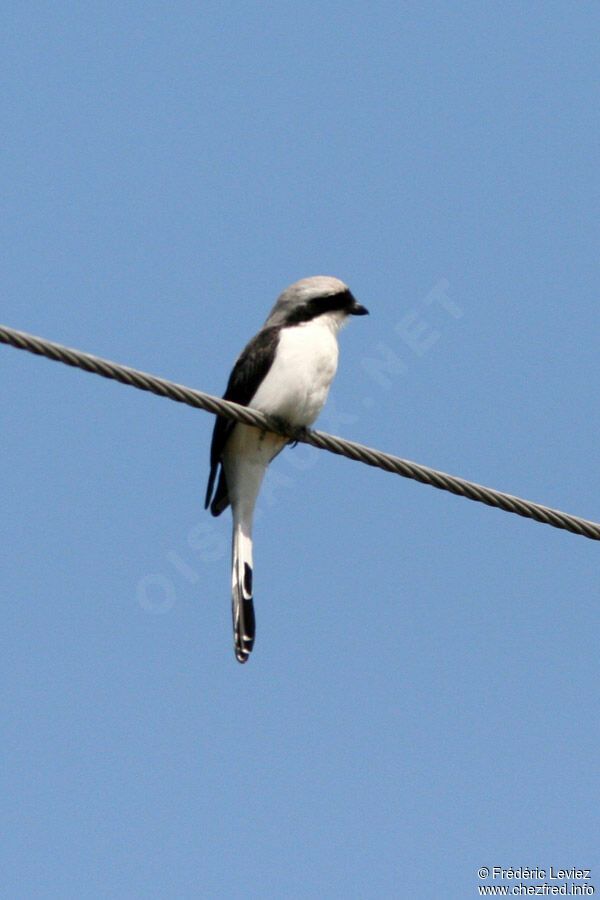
column 411, row 337
column 534, row 881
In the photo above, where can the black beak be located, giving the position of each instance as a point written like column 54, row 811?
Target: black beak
column 357, row 309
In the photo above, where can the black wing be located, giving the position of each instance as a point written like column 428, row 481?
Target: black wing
column 250, row 368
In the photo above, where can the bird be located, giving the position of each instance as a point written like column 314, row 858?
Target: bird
column 285, row 371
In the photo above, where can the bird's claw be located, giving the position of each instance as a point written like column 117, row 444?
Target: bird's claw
column 282, row 426
column 299, row 435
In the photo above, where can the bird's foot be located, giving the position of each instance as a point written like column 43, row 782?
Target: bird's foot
column 283, row 426
column 299, row 435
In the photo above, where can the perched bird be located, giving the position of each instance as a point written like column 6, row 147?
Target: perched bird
column 285, row 371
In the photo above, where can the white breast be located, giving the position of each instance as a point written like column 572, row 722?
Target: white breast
column 298, row 382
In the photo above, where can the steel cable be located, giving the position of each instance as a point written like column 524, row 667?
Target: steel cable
column 371, row 457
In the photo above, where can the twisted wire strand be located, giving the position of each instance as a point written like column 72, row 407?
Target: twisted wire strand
column 320, row 439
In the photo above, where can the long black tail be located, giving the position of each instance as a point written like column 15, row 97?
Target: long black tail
column 242, row 606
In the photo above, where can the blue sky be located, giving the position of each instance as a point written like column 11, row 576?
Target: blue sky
column 423, row 696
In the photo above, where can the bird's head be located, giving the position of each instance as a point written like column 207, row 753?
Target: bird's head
column 312, row 297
